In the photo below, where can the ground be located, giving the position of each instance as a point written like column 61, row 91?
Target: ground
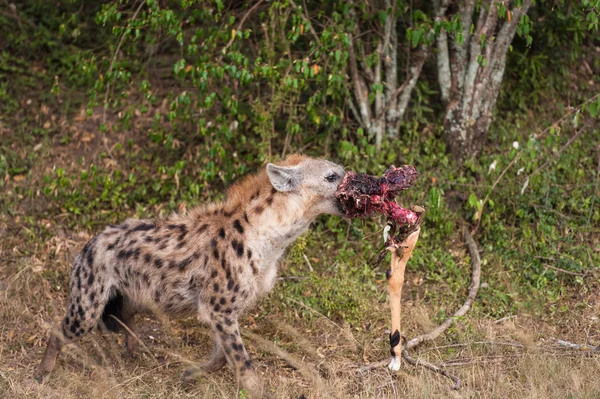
column 325, row 320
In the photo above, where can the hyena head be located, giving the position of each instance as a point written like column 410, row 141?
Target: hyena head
column 313, row 181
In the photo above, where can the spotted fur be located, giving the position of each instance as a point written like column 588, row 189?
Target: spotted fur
column 213, row 262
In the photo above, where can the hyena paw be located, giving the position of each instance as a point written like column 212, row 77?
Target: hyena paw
column 192, row 374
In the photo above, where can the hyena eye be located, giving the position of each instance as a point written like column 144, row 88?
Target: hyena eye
column 332, row 177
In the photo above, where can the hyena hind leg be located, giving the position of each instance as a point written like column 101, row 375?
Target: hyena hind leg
column 83, row 315
column 118, row 316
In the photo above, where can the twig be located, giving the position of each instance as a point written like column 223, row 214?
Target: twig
column 468, row 362
column 308, row 263
column 134, row 336
column 487, row 197
column 307, row 20
column 237, row 29
column 538, row 136
column 492, row 343
column 595, row 189
column 114, row 57
column 571, row 345
column 272, row 348
column 555, row 156
column 558, row 269
column 505, row 319
column 371, row 366
column 432, row 367
column 390, row 101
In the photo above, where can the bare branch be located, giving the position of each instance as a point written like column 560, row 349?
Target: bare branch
column 390, row 59
column 557, row 155
column 443, row 63
column 419, row 362
column 558, row 269
column 460, row 51
column 472, row 65
column 473, row 288
column 112, row 61
column 411, row 82
column 307, row 21
column 571, row 345
column 491, row 76
column 363, row 61
column 355, row 113
column 360, row 87
column 239, row 27
column 507, row 33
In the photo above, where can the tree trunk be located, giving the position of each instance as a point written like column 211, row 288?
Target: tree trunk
column 470, row 73
column 382, row 117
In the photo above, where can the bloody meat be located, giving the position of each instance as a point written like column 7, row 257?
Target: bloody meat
column 362, row 195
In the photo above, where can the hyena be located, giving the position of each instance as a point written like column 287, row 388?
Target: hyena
column 213, row 262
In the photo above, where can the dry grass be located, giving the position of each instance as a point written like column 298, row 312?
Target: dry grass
column 316, row 358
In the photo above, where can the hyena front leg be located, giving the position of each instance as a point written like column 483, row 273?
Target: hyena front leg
column 216, row 362
column 228, row 334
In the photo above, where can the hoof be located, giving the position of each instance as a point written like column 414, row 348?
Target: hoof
column 395, row 363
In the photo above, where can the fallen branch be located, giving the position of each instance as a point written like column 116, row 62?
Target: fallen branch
column 473, row 288
column 583, row 347
column 558, row 269
column 134, row 335
column 296, row 364
column 432, row 367
column 595, row 188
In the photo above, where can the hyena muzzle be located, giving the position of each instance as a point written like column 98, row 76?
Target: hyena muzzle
column 213, row 262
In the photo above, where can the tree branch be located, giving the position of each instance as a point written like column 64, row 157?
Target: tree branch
column 473, row 288
column 419, row 362
column 238, row 28
column 460, row 51
column 443, row 59
column 474, row 50
column 360, row 87
column 355, row 113
column 307, row 21
column 411, row 82
column 112, row 62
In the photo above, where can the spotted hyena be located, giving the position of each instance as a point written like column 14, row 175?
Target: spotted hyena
column 213, row 262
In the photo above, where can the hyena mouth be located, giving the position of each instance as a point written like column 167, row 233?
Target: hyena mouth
column 361, row 195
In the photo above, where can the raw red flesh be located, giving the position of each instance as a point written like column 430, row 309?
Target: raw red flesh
column 362, row 195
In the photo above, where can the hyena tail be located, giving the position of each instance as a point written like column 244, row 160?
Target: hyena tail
column 114, row 307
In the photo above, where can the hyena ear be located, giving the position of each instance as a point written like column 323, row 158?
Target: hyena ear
column 284, row 178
